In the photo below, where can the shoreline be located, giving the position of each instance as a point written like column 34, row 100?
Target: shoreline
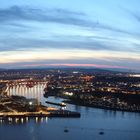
column 100, row 107
column 49, row 113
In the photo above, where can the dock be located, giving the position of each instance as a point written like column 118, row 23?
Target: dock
column 40, row 114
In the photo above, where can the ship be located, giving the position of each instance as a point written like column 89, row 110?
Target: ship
column 58, row 104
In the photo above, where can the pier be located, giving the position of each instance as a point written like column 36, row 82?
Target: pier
column 49, row 113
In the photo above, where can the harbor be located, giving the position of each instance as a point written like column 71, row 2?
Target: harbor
column 28, row 103
column 92, row 121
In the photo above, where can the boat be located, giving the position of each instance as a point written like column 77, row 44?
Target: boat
column 66, row 130
column 101, row 133
column 59, row 104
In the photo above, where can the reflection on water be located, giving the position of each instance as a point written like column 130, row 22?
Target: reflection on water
column 115, row 124
column 36, row 91
column 23, row 120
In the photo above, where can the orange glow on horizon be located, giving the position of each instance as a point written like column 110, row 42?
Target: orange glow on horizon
column 75, row 65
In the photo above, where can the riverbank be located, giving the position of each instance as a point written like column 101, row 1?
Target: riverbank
column 99, row 106
column 21, row 107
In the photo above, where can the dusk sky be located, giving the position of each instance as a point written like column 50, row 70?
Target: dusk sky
column 99, row 33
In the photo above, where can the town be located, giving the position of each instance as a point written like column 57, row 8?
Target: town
column 89, row 87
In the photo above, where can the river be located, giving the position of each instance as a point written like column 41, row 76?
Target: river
column 114, row 124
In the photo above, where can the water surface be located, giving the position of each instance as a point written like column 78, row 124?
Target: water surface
column 115, row 124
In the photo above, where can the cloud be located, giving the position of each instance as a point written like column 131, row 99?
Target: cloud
column 70, row 42
column 47, row 59
column 135, row 15
column 16, row 13
column 61, row 16
column 17, row 16
column 72, row 63
column 86, row 34
column 61, row 43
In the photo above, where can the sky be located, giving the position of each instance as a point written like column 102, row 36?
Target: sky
column 86, row 33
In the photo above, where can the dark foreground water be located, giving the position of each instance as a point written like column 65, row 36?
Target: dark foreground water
column 116, row 125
